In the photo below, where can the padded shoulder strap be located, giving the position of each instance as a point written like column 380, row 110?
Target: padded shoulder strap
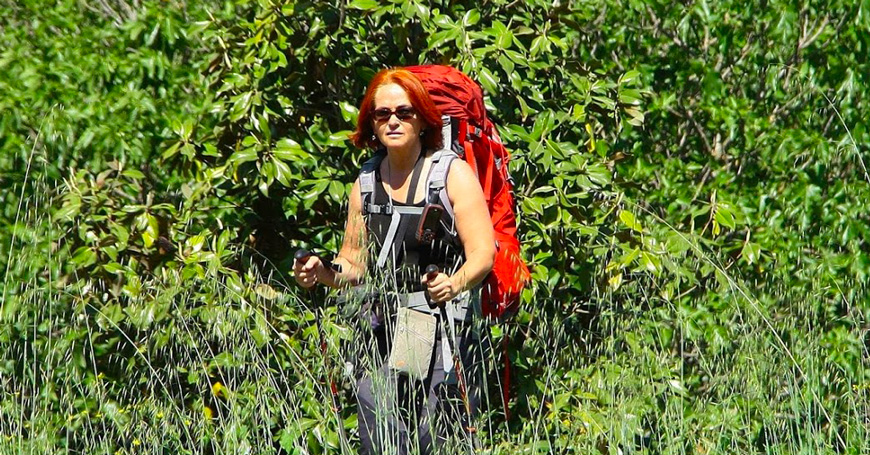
column 437, row 180
column 367, row 183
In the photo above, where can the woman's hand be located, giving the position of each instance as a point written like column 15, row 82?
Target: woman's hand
column 307, row 271
column 441, row 287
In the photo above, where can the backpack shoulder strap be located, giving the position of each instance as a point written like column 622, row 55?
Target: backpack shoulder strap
column 367, row 184
column 437, row 179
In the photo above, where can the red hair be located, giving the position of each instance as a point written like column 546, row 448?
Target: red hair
column 364, row 135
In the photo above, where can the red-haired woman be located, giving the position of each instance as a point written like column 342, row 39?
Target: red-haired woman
column 390, row 241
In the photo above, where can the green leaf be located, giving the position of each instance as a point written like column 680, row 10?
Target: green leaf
column 650, row 262
column 260, row 332
column 289, row 150
column 533, row 204
column 637, row 117
column 630, row 257
column 604, row 102
column 338, row 138
column 470, row 18
column 172, row 150
column 225, row 359
column 263, row 126
column 629, row 77
column 489, row 81
column 194, row 244
column 148, row 239
column 504, row 37
column 724, row 216
column 84, row 256
column 630, row 96
column 437, row 40
column 364, row 5
column 113, row 267
column 133, row 174
column 283, row 173
column 244, row 156
column 751, row 252
column 336, row 190
column 507, row 65
column 677, row 387
column 599, row 174
column 444, row 22
column 539, row 45
column 153, row 226
column 349, row 112
column 70, row 209
column 630, row 221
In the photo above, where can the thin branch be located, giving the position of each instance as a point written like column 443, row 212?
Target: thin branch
column 700, row 131
column 807, row 40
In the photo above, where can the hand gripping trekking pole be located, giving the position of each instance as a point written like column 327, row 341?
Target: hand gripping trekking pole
column 302, row 255
column 431, row 272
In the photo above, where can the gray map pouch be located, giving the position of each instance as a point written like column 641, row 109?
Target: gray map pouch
column 413, row 343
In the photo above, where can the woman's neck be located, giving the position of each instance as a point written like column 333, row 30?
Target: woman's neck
column 402, row 161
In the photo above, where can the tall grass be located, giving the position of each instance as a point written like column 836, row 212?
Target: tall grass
column 205, row 366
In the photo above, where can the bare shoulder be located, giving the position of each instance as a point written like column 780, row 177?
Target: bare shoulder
column 461, row 173
column 462, row 183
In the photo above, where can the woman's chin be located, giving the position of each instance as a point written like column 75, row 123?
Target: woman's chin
column 397, row 143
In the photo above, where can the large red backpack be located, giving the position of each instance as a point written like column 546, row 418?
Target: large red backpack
column 476, row 140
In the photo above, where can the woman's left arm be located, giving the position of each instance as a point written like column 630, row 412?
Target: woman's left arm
column 475, row 232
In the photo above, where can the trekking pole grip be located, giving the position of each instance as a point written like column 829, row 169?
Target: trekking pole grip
column 431, row 272
column 302, row 254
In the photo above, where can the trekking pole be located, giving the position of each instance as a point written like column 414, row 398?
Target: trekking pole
column 302, row 255
column 431, row 272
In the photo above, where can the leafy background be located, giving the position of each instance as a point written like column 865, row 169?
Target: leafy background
column 690, row 178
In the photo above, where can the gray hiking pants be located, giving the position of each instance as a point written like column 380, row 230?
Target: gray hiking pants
column 399, row 415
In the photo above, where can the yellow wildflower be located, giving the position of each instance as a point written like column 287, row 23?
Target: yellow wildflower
column 218, row 390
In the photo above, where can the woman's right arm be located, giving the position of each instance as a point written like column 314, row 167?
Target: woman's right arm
column 351, row 258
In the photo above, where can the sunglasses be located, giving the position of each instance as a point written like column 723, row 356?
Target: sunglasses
column 401, row 112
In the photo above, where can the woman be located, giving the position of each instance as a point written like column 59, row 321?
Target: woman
column 398, row 118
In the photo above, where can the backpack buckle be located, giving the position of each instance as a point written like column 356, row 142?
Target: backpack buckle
column 379, row 209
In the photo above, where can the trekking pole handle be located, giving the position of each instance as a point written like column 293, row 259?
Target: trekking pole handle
column 431, row 272
column 302, row 255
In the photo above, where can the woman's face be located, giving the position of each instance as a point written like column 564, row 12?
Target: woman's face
column 392, row 102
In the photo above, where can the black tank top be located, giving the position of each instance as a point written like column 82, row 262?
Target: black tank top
column 410, row 258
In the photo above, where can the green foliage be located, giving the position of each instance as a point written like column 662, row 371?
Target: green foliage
column 692, row 204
